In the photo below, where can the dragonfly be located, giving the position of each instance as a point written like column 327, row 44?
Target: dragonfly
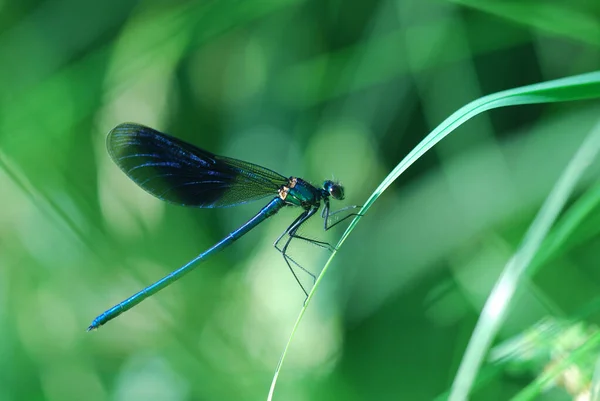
column 181, row 173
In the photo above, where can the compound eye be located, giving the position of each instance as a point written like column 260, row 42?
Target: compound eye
column 336, row 191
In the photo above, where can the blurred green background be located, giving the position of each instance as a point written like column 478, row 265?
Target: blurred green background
column 316, row 89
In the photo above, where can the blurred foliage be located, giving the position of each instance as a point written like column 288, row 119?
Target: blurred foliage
column 547, row 344
column 308, row 88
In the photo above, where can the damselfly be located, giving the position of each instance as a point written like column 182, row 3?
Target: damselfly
column 181, row 173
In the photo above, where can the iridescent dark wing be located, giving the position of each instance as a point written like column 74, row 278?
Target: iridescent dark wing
column 178, row 172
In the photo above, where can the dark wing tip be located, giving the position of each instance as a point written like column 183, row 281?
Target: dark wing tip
column 123, row 128
column 124, row 134
column 126, row 129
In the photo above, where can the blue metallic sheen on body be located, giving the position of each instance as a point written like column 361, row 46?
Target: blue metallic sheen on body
column 269, row 210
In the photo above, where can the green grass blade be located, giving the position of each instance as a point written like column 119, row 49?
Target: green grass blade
column 497, row 304
column 578, row 87
column 565, row 227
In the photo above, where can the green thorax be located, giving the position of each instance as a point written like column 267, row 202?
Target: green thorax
column 301, row 193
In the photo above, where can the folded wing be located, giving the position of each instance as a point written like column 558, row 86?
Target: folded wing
column 181, row 173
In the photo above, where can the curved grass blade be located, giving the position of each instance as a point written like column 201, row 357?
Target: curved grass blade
column 566, row 226
column 496, row 306
column 578, row 87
